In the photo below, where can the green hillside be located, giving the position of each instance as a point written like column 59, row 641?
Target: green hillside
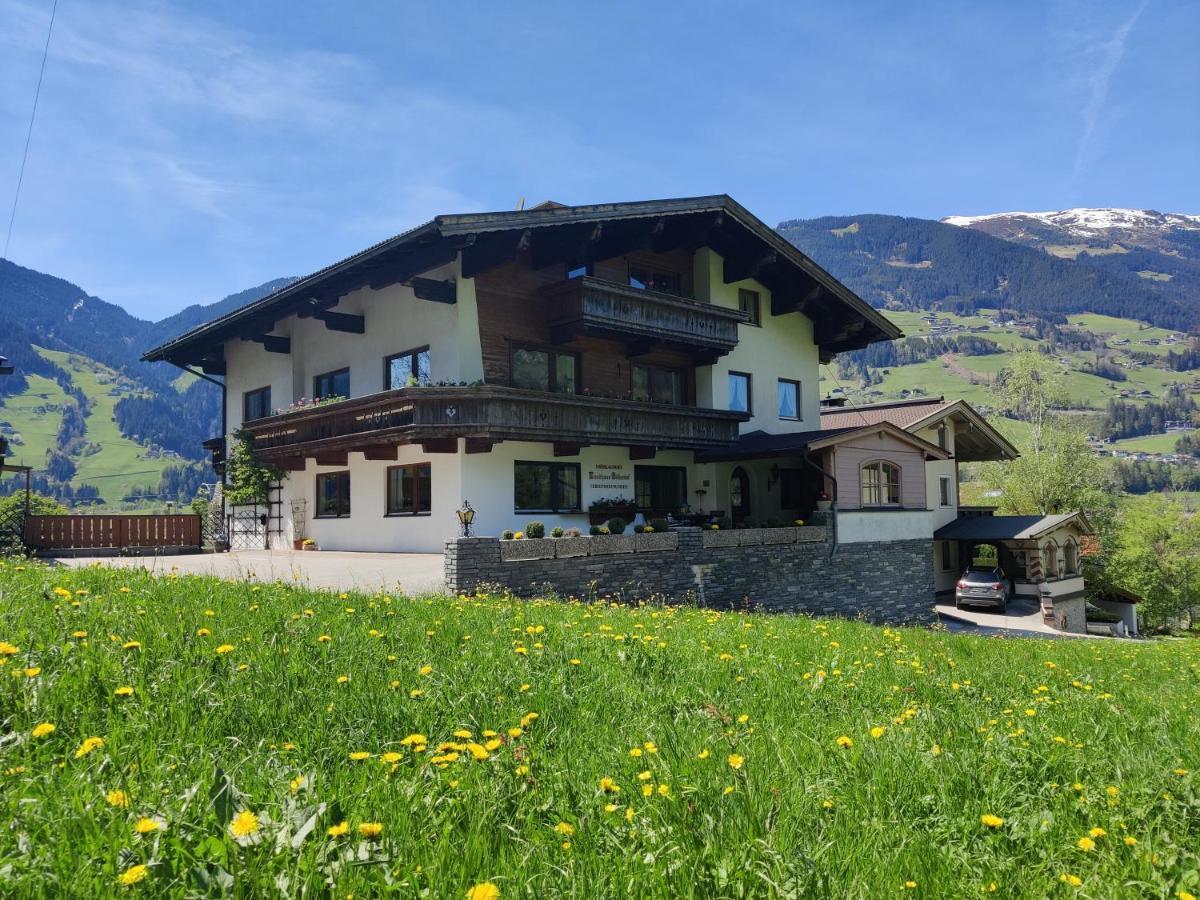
column 112, row 462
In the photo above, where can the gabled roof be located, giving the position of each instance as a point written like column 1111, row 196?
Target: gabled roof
column 552, row 233
column 979, row 441
column 758, row 443
column 1009, row 528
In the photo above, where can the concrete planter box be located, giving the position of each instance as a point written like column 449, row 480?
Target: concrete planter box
column 750, row 537
column 779, row 535
column 602, row 544
column 643, row 543
column 806, row 533
column 564, row 548
column 719, row 539
column 528, row 548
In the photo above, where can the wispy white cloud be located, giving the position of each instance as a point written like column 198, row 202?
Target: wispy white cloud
column 1104, row 57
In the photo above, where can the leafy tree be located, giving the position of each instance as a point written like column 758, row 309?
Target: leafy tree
column 38, row 506
column 1056, row 471
column 1153, row 549
column 249, row 480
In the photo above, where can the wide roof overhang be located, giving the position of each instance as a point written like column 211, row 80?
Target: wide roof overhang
column 759, row 444
column 1009, row 528
column 553, row 234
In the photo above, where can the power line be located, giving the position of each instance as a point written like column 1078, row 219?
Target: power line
column 29, row 133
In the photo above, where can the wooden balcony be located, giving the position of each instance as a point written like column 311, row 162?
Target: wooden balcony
column 485, row 414
column 607, row 309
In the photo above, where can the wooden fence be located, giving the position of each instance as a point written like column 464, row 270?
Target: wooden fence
column 109, row 533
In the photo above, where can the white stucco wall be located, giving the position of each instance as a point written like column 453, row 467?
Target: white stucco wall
column 395, row 321
column 367, row 527
column 781, row 348
column 487, row 481
column 859, row 526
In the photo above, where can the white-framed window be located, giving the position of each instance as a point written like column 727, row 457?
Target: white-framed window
column 789, row 398
column 880, row 483
column 946, row 490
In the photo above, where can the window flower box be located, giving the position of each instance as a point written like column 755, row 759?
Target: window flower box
column 603, row 510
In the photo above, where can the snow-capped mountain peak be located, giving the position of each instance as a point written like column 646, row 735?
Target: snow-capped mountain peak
column 1085, row 222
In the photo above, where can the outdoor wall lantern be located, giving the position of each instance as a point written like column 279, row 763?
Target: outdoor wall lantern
column 466, row 516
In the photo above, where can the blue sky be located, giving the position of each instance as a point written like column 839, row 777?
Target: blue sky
column 186, row 151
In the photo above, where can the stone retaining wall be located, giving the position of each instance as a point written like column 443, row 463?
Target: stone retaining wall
column 787, row 569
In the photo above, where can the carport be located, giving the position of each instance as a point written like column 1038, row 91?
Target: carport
column 1041, row 554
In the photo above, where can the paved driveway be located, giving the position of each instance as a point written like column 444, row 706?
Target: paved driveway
column 411, row 573
column 1023, row 619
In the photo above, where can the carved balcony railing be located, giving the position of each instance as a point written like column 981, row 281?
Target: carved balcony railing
column 595, row 306
column 488, row 413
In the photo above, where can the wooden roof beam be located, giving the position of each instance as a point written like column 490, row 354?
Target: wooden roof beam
column 739, row 269
column 435, row 290
column 271, row 343
column 494, row 250
column 342, row 322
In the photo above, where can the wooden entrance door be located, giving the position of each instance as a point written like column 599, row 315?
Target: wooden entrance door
column 739, row 495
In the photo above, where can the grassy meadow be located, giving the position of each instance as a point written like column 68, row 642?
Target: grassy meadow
column 192, row 737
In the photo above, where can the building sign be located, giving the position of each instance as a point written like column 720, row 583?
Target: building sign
column 607, row 481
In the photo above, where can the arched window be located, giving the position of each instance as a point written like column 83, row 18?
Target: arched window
column 1071, row 557
column 880, row 483
column 1050, row 560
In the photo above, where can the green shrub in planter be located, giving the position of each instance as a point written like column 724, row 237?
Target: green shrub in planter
column 506, row 536
column 639, row 529
column 660, row 525
column 615, row 525
column 535, row 530
column 556, row 531
column 772, row 522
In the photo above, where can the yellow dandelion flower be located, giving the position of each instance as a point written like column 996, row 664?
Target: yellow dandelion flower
column 727, row 791
column 1185, row 895
column 703, row 754
column 1086, row 844
column 133, row 875
column 608, row 786
column 735, row 761
column 370, row 830
column 464, row 733
column 117, row 798
column 515, row 732
column 1072, row 880
column 477, row 750
column 202, row 632
column 844, row 742
column 564, row 828
column 132, row 645
column 44, row 729
column 146, row 825
column 89, row 745
column 324, row 639
column 635, row 752
column 123, row 691
column 991, row 821
column 33, row 671
column 341, row 829
column 1097, row 832
column 878, row 731
column 391, row 757
column 826, row 804
column 360, row 755
column 1130, row 841
column 244, row 824
column 426, row 670
column 78, row 634
column 485, row 890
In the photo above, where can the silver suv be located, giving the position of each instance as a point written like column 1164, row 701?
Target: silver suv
column 983, row 585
